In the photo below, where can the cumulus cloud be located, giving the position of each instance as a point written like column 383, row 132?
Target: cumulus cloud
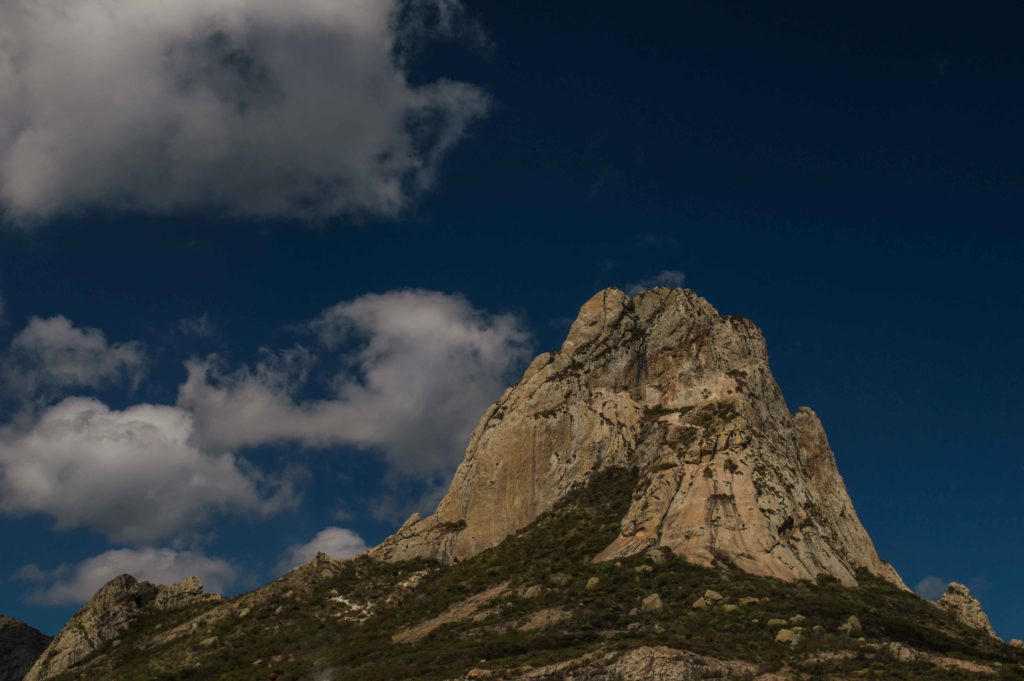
column 670, row 278
column 419, row 368
column 51, row 354
column 255, row 107
column 133, row 475
column 77, row 583
column 931, row 588
column 336, row 542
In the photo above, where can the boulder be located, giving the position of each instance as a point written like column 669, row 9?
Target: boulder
column 712, row 597
column 534, row 591
column 851, row 627
column 651, row 603
column 788, row 636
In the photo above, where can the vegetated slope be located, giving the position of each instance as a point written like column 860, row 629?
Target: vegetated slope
column 538, row 599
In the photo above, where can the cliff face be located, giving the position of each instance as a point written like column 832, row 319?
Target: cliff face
column 20, row 646
column 663, row 383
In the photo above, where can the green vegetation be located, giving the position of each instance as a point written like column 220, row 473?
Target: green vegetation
column 293, row 628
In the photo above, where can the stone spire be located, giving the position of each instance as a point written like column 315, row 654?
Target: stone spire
column 660, row 382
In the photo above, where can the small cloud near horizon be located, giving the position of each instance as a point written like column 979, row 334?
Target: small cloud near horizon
column 336, row 542
column 931, row 588
column 670, row 278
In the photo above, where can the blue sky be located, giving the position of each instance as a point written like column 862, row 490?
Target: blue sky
column 241, row 308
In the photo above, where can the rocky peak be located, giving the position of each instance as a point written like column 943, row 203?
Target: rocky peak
column 109, row 613
column 663, row 383
column 966, row 608
column 20, row 646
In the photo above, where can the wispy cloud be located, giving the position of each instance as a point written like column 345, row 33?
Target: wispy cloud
column 197, row 326
column 670, row 278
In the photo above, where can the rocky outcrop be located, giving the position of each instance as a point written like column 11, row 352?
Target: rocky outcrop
column 959, row 601
column 184, row 593
column 20, row 646
column 664, row 383
column 105, row 618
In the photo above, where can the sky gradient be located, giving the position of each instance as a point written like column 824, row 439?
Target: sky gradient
column 293, row 319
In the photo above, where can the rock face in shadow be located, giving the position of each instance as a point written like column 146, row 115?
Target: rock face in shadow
column 662, row 382
column 20, row 647
column 105, row 618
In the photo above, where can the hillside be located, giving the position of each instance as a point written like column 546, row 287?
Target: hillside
column 537, row 606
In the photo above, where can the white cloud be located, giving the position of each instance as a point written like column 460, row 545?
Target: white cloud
column 336, row 542
column 670, row 278
column 256, row 107
column 50, row 354
column 77, row 583
column 931, row 588
column 420, row 368
column 133, row 475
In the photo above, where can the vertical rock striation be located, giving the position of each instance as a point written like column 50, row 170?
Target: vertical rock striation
column 664, row 383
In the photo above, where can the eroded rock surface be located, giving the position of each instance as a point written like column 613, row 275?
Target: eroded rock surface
column 107, row 616
column 20, row 647
column 663, row 382
column 966, row 608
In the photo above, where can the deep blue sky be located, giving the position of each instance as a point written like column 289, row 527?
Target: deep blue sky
column 850, row 180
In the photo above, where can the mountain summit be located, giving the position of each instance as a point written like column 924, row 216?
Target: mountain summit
column 663, row 383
